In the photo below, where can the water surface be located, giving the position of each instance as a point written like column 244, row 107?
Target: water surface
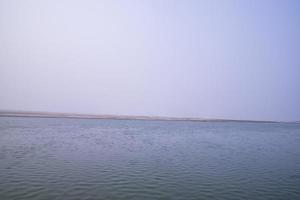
column 56, row 158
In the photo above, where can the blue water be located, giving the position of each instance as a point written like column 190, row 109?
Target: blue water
column 56, row 158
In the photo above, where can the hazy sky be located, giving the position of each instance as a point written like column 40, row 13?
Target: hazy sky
column 215, row 59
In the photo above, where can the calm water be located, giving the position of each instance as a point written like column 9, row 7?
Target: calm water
column 128, row 159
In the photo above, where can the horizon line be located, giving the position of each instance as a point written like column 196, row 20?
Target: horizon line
column 49, row 114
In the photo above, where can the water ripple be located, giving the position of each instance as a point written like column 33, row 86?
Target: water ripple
column 127, row 159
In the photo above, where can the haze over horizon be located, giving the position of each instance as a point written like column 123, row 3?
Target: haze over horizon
column 210, row 59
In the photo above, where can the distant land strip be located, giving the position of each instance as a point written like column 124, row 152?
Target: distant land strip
column 4, row 113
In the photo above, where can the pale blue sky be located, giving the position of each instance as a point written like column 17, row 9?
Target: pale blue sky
column 214, row 59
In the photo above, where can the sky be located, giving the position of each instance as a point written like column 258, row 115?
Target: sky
column 211, row 59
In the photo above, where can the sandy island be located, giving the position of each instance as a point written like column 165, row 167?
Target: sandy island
column 117, row 117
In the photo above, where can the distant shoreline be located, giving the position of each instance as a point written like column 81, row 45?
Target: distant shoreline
column 116, row 117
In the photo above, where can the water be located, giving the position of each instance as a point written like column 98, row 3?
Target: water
column 72, row 159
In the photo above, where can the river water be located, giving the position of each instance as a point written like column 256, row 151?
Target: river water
column 62, row 159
